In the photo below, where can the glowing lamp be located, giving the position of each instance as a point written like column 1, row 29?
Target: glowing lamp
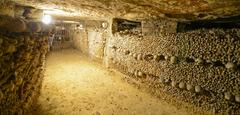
column 46, row 19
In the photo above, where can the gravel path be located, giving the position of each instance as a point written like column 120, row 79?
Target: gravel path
column 73, row 85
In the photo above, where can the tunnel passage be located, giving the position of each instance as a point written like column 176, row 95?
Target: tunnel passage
column 73, row 84
column 184, row 53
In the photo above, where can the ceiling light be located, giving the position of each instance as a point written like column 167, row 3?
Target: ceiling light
column 46, row 19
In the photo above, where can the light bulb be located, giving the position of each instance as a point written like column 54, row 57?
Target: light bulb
column 46, row 19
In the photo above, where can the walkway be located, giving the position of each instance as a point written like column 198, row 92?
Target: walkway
column 73, row 85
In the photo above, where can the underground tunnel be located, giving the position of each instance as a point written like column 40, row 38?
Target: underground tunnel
column 119, row 57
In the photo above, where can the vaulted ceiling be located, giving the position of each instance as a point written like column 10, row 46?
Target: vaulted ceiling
column 174, row 9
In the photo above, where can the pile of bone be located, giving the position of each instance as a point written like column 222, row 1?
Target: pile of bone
column 21, row 61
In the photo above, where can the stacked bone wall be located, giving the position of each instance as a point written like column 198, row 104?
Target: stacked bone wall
column 200, row 67
column 22, row 59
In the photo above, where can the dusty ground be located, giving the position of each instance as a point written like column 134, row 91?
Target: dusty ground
column 73, row 85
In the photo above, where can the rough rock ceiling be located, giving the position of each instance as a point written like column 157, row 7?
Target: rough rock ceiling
column 174, row 9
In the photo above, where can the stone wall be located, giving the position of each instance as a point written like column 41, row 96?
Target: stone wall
column 155, row 27
column 81, row 41
column 22, row 59
column 200, row 67
column 91, row 39
column 7, row 8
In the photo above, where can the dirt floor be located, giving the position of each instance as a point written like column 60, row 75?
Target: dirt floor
column 73, row 85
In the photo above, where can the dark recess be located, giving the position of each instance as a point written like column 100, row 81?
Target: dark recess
column 123, row 24
column 222, row 23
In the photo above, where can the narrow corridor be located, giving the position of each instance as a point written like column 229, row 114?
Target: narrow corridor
column 73, row 85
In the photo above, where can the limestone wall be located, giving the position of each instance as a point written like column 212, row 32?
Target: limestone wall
column 81, row 41
column 7, row 8
column 22, row 59
column 91, row 39
column 200, row 67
